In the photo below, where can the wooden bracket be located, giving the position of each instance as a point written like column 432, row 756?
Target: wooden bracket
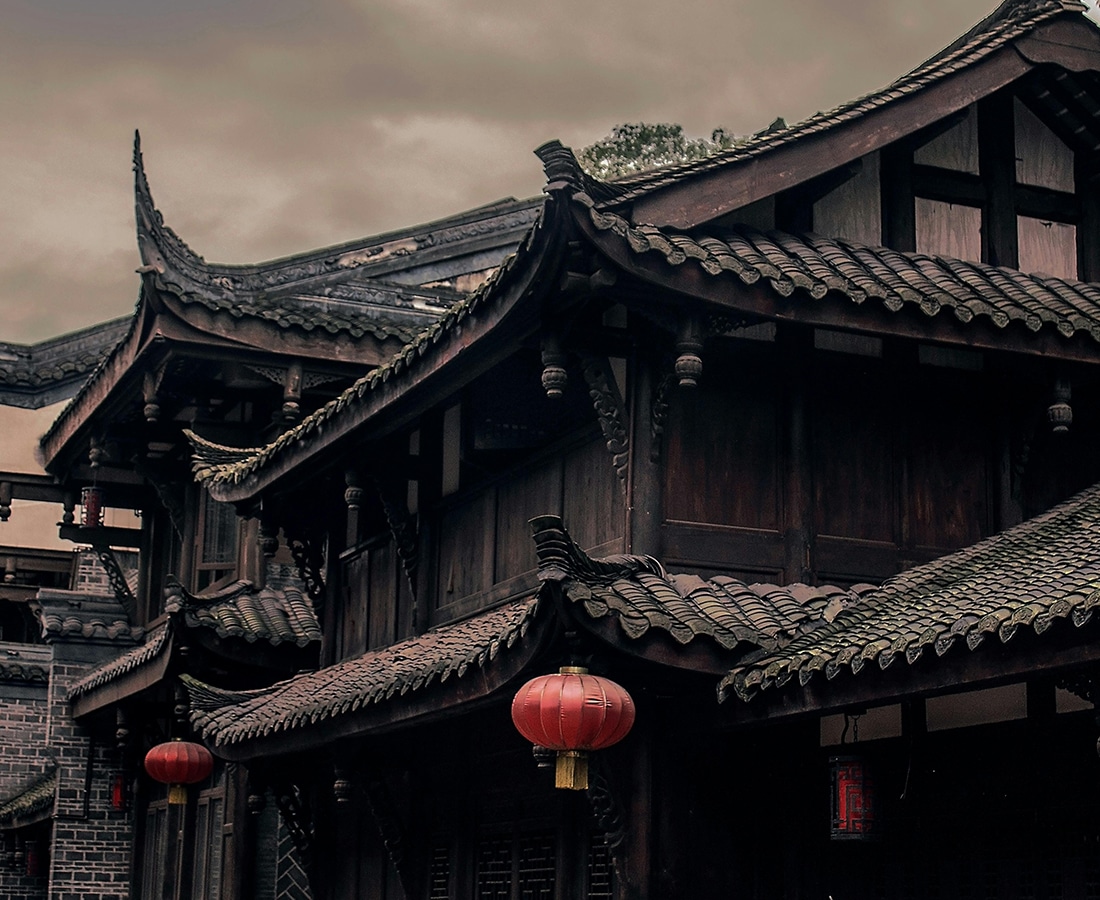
column 610, row 410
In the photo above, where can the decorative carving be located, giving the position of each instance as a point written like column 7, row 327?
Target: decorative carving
column 68, row 506
column 310, row 562
column 269, row 537
column 607, row 811
column 658, row 416
column 1080, row 684
column 353, row 494
column 403, row 526
column 390, row 830
column 342, row 787
column 292, row 393
column 299, row 823
column 5, row 500
column 610, row 411
column 170, row 493
column 1060, row 413
column 689, row 344
column 554, row 377
column 117, row 578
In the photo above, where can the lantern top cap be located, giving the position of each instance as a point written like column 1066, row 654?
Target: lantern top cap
column 572, row 670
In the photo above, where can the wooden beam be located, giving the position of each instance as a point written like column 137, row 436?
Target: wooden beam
column 102, row 536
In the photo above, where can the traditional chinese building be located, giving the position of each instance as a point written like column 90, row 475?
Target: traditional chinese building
column 805, row 436
column 174, row 583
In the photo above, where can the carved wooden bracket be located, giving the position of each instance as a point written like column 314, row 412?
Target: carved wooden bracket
column 392, row 832
column 658, row 416
column 607, row 810
column 402, row 525
column 299, row 822
column 610, row 410
column 305, row 548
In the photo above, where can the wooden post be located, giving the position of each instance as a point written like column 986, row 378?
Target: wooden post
column 997, row 162
column 795, row 347
column 644, row 489
column 635, row 856
column 899, row 222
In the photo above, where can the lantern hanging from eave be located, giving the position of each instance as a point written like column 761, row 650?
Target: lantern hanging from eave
column 179, row 763
column 853, row 799
column 91, row 507
column 572, row 713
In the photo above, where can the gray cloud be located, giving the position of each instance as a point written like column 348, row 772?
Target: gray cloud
column 274, row 126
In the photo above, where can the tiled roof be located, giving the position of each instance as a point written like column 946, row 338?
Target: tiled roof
column 279, row 613
column 336, row 290
column 30, row 805
column 26, row 663
column 1012, row 20
column 217, row 464
column 72, row 614
column 156, row 643
column 641, row 596
column 34, row 375
column 1031, row 576
column 456, row 651
column 809, row 266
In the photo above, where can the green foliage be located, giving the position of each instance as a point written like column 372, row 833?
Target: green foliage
column 636, row 147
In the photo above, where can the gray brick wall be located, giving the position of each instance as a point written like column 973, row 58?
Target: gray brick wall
column 92, row 841
column 24, row 757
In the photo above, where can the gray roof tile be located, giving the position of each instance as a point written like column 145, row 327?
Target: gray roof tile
column 1031, row 576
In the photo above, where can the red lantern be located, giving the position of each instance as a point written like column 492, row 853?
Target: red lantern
column 853, row 799
column 178, row 763
column 572, row 712
column 91, row 507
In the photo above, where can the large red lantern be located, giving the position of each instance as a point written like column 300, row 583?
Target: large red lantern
column 178, row 763
column 572, row 712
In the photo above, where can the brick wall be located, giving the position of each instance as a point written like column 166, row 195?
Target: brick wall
column 24, row 757
column 91, row 841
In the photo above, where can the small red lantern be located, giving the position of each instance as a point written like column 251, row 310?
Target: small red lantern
column 178, row 763
column 572, row 712
column 91, row 507
column 853, row 799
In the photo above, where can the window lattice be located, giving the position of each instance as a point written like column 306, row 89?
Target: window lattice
column 536, row 868
column 599, row 870
column 439, row 885
column 494, row 870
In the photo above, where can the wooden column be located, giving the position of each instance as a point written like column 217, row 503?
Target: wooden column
column 645, row 487
column 997, row 164
column 634, row 860
column 899, row 223
column 796, row 348
column 1087, row 185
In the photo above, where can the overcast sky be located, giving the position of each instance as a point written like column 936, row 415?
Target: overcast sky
column 273, row 127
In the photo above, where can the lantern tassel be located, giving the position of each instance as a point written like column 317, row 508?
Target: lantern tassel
column 571, row 770
column 177, row 795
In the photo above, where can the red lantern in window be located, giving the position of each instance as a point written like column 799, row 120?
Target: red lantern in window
column 853, row 799
column 572, row 712
column 178, row 763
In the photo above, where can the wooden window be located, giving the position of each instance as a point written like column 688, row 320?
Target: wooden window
column 154, row 854
column 215, row 542
column 208, row 845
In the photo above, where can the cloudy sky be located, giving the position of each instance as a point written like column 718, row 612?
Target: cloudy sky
column 276, row 126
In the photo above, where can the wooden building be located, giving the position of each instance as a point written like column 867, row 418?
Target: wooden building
column 805, row 434
column 242, row 353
